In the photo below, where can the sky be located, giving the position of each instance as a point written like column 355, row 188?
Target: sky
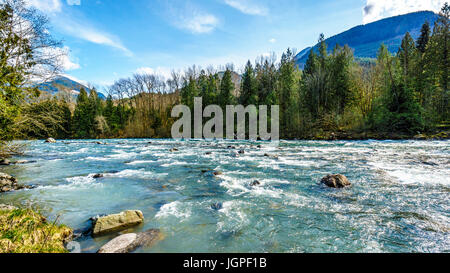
column 106, row 40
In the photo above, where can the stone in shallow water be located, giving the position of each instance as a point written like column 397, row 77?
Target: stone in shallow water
column 50, row 140
column 96, row 176
column 131, row 241
column 4, row 162
column 335, row 181
column 217, row 206
column 116, row 222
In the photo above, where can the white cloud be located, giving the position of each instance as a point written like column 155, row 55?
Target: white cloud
column 72, row 27
column 190, row 17
column 248, row 7
column 162, row 71
column 91, row 34
column 74, row 2
column 49, row 6
column 201, row 23
column 378, row 9
column 273, row 40
column 67, row 61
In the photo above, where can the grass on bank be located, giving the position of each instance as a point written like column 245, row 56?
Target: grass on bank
column 26, row 231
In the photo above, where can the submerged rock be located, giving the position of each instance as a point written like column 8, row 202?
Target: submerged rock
column 241, row 152
column 255, row 183
column 174, row 150
column 50, row 140
column 216, row 173
column 4, row 162
column 335, row 181
column 21, row 162
column 129, row 242
column 216, row 206
column 96, row 176
column 9, row 183
column 116, row 222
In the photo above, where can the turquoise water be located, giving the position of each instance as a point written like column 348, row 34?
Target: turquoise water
column 399, row 200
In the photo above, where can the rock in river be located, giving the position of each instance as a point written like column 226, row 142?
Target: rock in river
column 335, row 181
column 131, row 241
column 50, row 140
column 116, row 222
column 4, row 162
column 9, row 183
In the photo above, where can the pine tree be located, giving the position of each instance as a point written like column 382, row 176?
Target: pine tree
column 248, row 89
column 226, row 90
column 288, row 96
column 424, row 37
column 407, row 56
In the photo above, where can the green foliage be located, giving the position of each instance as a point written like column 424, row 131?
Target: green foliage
column 26, row 231
column 249, row 94
column 226, row 90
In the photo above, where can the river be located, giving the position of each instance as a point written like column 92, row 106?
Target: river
column 398, row 202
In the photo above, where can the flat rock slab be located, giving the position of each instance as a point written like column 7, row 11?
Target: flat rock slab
column 129, row 242
column 116, row 222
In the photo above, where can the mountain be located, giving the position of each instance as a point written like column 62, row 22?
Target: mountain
column 365, row 40
column 63, row 83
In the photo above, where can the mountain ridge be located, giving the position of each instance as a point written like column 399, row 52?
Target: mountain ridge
column 365, row 40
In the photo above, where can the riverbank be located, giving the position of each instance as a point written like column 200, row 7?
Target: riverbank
column 27, row 231
column 346, row 135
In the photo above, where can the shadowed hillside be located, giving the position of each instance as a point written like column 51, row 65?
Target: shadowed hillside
column 365, row 40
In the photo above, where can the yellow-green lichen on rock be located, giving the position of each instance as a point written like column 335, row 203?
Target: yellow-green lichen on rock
column 115, row 222
column 26, row 231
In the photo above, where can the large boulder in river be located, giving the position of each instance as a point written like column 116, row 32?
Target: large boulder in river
column 50, row 140
column 116, row 222
column 7, row 182
column 129, row 242
column 335, row 181
column 4, row 162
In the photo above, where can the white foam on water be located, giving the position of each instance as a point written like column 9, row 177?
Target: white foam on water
column 119, row 154
column 142, row 173
column 93, row 158
column 413, row 175
column 233, row 216
column 174, row 209
column 75, row 183
column 141, row 162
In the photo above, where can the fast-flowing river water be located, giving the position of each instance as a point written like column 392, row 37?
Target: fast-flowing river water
column 398, row 202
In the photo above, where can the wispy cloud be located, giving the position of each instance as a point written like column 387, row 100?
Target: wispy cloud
column 76, row 28
column 74, row 2
column 250, row 7
column 191, row 18
column 90, row 34
column 49, row 6
column 162, row 71
column 66, row 60
column 378, row 9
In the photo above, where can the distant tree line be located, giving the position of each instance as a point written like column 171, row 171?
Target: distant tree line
column 405, row 93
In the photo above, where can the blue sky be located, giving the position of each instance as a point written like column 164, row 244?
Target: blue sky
column 110, row 39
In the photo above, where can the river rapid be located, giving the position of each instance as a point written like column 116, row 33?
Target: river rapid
column 398, row 202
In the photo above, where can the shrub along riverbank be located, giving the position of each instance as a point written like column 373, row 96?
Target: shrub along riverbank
column 27, row 231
